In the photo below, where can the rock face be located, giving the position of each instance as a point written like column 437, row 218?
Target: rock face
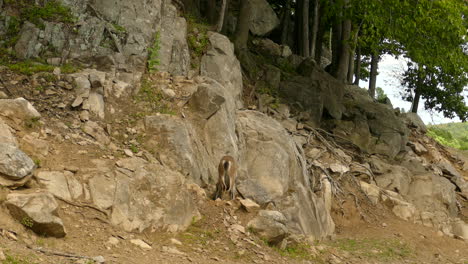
column 61, row 184
column 221, row 64
column 37, row 211
column 373, row 127
column 263, row 18
column 273, row 170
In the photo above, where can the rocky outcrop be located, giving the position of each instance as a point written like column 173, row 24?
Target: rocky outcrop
column 371, row 126
column 269, row 225
column 18, row 110
column 263, row 18
column 37, row 211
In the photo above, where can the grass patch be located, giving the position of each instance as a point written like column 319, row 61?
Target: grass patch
column 197, row 236
column 153, row 98
column 197, row 38
column 10, row 259
column 30, row 67
column 51, row 11
column 153, row 54
column 382, row 250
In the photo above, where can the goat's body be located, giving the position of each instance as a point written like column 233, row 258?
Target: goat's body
column 227, row 171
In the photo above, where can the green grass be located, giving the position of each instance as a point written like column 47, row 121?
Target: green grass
column 30, row 67
column 10, row 259
column 383, row 250
column 197, row 38
column 51, row 11
column 153, row 98
column 153, row 54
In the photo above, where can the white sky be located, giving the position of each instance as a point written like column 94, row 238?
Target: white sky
column 389, row 69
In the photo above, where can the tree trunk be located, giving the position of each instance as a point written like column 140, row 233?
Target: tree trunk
column 242, row 29
column 343, row 57
column 358, row 66
column 373, row 73
column 320, row 36
column 415, row 104
column 335, row 45
column 285, row 19
column 226, row 11
column 351, row 57
column 219, row 27
column 315, row 26
column 305, row 29
column 211, row 11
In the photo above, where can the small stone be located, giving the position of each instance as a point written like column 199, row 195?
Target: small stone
column 2, row 256
column 61, row 105
column 175, row 242
column 238, row 228
column 99, row 259
column 384, row 225
column 128, row 152
column 3, row 95
column 215, row 258
column 113, row 241
column 57, row 71
column 50, row 92
column 172, row 250
column 241, row 252
column 169, row 93
column 142, row 244
column 84, row 116
column 249, row 205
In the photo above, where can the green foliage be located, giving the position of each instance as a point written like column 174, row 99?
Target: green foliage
column 27, row 222
column 134, row 148
column 381, row 96
column 197, row 38
column 453, row 135
column 382, row 250
column 29, row 67
column 51, row 11
column 153, row 98
column 298, row 251
column 153, row 54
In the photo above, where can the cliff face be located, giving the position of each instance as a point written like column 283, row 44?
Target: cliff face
column 135, row 146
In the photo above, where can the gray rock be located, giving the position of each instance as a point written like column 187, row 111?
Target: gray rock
column 205, row 101
column 61, row 184
column 18, row 109
column 413, row 120
column 394, row 178
column 263, row 19
column 83, row 87
column 174, row 55
column 32, row 144
column 97, row 132
column 221, row 64
column 96, row 104
column 102, row 191
column 14, row 163
column 37, row 211
column 460, row 229
column 27, row 45
column 6, row 135
column 269, row 225
column 97, row 79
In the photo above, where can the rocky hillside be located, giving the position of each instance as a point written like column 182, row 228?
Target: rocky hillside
column 113, row 162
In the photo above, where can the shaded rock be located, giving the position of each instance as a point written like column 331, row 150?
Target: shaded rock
column 14, row 163
column 267, row 47
column 18, row 109
column 97, row 132
column 221, row 64
column 96, row 104
column 27, row 45
column 206, row 102
column 6, row 135
column 263, row 19
column 417, row 148
column 102, row 190
column 174, row 54
column 269, row 225
column 82, row 87
column 413, row 120
column 37, row 211
column 372, row 191
column 396, row 178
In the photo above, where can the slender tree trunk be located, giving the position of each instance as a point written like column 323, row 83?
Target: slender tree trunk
column 286, row 18
column 320, row 36
column 415, row 104
column 226, row 11
column 343, row 57
column 242, row 29
column 351, row 57
column 219, row 26
column 358, row 66
column 211, row 11
column 335, row 45
column 315, row 26
column 298, row 26
column 305, row 28
column 373, row 73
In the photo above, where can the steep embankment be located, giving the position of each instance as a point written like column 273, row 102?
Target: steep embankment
column 117, row 164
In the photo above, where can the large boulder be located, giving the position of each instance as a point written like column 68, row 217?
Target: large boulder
column 141, row 194
column 18, row 109
column 221, row 64
column 413, row 120
column 37, row 211
column 319, row 93
column 174, row 54
column 273, row 170
column 6, row 135
column 269, row 225
column 263, row 19
column 61, row 184
column 14, row 163
column 27, row 45
column 382, row 131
